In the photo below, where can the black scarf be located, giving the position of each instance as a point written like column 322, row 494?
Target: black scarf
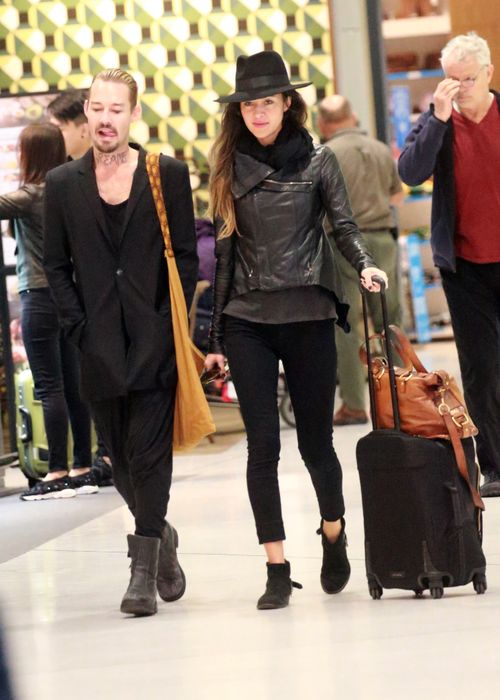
column 291, row 144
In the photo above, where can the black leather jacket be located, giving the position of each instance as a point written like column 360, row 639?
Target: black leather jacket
column 25, row 207
column 281, row 242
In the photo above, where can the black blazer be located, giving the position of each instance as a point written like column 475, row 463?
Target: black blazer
column 114, row 302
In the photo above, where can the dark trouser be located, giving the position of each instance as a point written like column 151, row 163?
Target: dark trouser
column 101, row 447
column 473, row 295
column 54, row 363
column 137, row 431
column 307, row 351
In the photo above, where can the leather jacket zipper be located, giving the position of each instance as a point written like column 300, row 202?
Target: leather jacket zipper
column 288, row 182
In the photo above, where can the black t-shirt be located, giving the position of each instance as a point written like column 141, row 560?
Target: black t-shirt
column 115, row 218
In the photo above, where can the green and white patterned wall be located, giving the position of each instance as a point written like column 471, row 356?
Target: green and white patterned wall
column 181, row 52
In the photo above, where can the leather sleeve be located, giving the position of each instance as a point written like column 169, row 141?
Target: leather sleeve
column 224, row 270
column 345, row 232
column 16, row 204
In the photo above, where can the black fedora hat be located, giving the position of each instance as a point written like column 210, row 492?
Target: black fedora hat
column 260, row 75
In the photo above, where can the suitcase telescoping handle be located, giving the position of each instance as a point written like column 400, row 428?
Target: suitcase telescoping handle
column 388, row 352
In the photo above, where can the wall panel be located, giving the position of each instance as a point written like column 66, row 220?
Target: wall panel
column 483, row 17
column 182, row 53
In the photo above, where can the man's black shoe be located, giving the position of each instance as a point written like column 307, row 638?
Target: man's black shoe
column 102, row 471
column 491, row 485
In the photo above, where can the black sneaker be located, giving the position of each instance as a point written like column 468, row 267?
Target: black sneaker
column 491, row 485
column 43, row 490
column 84, row 484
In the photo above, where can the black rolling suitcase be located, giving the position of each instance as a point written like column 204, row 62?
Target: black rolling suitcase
column 422, row 527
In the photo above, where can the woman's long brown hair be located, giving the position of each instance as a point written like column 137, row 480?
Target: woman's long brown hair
column 41, row 148
column 222, row 157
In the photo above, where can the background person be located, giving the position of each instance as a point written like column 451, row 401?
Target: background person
column 457, row 141
column 205, row 241
column 276, row 298
column 53, row 361
column 67, row 112
column 373, row 186
column 104, row 259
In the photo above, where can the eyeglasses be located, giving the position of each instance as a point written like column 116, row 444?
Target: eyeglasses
column 470, row 82
column 211, row 375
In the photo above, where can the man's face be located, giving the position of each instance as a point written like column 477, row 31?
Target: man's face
column 109, row 115
column 75, row 136
column 474, row 80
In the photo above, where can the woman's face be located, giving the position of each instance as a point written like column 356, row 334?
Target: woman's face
column 264, row 117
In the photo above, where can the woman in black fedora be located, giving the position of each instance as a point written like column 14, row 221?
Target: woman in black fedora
column 277, row 297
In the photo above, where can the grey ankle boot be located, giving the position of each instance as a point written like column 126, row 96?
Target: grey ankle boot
column 140, row 598
column 171, row 580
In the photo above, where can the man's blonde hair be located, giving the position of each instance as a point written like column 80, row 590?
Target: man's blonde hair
column 116, row 75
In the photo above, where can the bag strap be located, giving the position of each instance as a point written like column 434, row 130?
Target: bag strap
column 153, row 168
column 405, row 348
column 460, row 459
column 449, row 421
column 180, row 317
column 363, row 353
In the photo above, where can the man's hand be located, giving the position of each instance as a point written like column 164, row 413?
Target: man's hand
column 443, row 97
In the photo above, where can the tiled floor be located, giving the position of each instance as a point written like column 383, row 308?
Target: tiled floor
column 67, row 638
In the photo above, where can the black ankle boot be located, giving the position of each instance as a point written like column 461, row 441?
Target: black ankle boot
column 140, row 598
column 278, row 588
column 336, row 570
column 171, row 581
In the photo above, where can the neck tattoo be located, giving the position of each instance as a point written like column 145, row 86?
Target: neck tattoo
column 111, row 158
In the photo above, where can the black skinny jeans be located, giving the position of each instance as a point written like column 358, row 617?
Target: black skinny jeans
column 54, row 363
column 307, row 351
column 473, row 295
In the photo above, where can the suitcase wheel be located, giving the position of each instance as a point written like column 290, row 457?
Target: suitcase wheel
column 419, row 592
column 376, row 591
column 436, row 586
column 436, row 591
column 479, row 583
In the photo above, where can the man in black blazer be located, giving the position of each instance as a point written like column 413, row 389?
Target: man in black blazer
column 104, row 259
